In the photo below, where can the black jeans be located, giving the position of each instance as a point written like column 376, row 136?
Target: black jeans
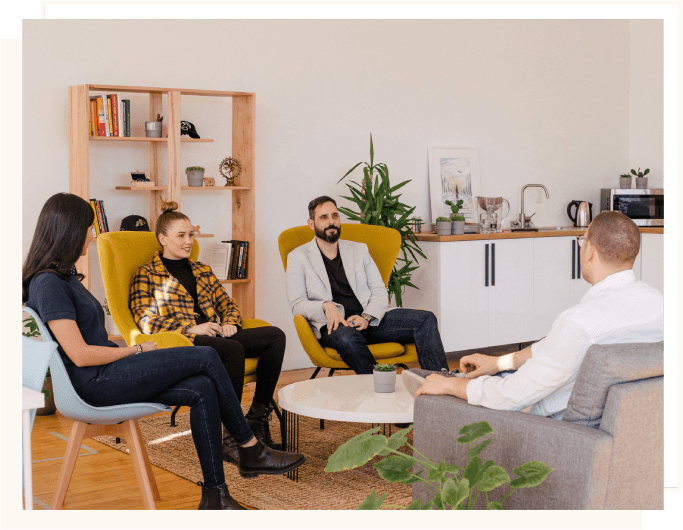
column 400, row 325
column 190, row 375
column 267, row 343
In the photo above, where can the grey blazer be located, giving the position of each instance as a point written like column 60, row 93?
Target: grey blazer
column 308, row 285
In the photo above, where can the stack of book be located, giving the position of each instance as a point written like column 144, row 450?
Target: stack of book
column 101, row 224
column 230, row 260
column 109, row 116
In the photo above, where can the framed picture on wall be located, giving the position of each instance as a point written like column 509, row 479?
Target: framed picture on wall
column 454, row 175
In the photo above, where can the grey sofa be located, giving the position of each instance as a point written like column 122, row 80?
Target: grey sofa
column 607, row 452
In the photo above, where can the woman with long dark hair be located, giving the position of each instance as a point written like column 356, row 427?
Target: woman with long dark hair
column 174, row 293
column 104, row 374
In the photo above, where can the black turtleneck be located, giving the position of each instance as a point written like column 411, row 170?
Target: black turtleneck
column 181, row 270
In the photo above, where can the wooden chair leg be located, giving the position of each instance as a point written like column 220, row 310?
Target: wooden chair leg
column 150, row 471
column 137, row 449
column 75, row 438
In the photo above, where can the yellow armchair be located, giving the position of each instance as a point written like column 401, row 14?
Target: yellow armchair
column 121, row 254
column 384, row 245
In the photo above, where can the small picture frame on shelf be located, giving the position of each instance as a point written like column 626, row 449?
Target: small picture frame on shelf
column 139, row 179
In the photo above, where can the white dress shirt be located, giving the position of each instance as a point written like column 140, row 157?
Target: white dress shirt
column 618, row 309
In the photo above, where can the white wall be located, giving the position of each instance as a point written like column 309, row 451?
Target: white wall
column 646, row 99
column 550, row 102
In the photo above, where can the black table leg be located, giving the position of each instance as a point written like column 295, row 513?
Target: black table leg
column 291, row 442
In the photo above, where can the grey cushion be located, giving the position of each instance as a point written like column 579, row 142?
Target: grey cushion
column 604, row 366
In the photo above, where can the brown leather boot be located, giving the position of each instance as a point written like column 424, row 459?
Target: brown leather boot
column 260, row 459
column 218, row 499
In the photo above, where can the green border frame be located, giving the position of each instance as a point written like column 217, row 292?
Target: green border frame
column 10, row 27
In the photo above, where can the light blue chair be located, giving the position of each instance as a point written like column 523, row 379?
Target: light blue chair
column 90, row 421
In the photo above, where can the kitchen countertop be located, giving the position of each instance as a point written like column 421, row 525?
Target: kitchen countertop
column 507, row 234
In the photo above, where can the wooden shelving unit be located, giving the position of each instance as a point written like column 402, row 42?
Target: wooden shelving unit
column 243, row 149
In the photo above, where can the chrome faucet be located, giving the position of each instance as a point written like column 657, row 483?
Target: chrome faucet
column 522, row 218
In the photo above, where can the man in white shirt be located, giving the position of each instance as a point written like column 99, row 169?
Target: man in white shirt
column 616, row 309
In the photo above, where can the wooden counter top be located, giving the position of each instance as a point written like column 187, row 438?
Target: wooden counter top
column 507, row 234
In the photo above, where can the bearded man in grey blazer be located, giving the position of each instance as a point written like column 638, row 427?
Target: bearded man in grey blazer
column 336, row 286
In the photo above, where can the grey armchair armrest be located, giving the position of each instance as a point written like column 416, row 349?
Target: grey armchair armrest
column 579, row 455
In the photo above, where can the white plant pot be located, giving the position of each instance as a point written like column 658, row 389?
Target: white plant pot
column 625, row 183
column 385, row 382
column 195, row 178
column 443, row 228
column 153, row 129
column 458, row 228
column 641, row 183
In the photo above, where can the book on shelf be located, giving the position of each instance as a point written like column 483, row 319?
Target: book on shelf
column 242, row 272
column 105, row 106
column 126, row 116
column 220, row 260
column 100, row 117
column 101, row 224
column 104, row 216
column 115, row 114
column 96, row 225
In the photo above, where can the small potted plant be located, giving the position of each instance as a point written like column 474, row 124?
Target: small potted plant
column 625, row 182
column 641, row 179
column 384, row 377
column 153, row 128
column 457, row 220
column 195, row 176
column 444, row 226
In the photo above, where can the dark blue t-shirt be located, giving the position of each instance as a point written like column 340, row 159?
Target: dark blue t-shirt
column 55, row 299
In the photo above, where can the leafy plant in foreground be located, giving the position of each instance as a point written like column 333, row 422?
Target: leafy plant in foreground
column 453, row 487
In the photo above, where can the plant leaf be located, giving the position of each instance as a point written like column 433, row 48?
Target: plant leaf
column 474, row 431
column 472, row 470
column 493, row 477
column 477, row 449
column 494, row 506
column 357, row 451
column 349, row 171
column 372, row 502
column 530, row 474
column 453, row 493
column 394, row 468
column 415, row 505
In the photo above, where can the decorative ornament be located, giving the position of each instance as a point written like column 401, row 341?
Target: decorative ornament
column 188, row 128
column 232, row 167
column 209, row 181
column 196, row 230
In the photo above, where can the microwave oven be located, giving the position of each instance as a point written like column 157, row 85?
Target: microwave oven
column 645, row 207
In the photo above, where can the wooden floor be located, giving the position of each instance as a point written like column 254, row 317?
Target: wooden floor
column 103, row 478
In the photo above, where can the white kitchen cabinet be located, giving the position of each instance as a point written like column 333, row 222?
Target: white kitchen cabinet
column 555, row 281
column 652, row 260
column 480, row 291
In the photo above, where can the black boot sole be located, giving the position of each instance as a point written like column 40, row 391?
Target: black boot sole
column 254, row 474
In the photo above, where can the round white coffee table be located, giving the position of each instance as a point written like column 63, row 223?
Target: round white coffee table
column 349, row 398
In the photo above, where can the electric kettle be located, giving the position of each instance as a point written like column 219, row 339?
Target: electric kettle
column 583, row 214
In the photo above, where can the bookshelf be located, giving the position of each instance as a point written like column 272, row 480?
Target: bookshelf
column 243, row 136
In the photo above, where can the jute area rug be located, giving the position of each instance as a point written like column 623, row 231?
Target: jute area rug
column 172, row 449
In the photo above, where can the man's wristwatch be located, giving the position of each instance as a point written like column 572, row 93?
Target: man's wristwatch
column 367, row 317
column 139, row 347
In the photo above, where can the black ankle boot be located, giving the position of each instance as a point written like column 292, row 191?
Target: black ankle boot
column 257, row 419
column 260, row 459
column 230, row 453
column 218, row 499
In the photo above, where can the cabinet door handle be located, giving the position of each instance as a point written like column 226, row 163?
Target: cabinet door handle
column 578, row 262
column 573, row 259
column 493, row 264
column 486, row 265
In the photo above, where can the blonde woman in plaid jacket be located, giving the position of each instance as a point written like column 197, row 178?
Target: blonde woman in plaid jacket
column 175, row 293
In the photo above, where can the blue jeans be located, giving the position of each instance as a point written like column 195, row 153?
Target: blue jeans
column 190, row 375
column 404, row 326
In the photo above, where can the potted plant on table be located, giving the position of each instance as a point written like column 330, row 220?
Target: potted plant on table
column 444, row 226
column 384, row 377
column 454, row 487
column 625, row 182
column 380, row 206
column 153, row 128
column 458, row 220
column 641, row 179
column 195, row 176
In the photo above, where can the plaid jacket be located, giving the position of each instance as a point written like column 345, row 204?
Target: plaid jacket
column 160, row 303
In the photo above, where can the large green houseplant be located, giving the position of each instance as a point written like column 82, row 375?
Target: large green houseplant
column 379, row 204
column 453, row 487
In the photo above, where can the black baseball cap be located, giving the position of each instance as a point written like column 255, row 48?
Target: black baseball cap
column 134, row 223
